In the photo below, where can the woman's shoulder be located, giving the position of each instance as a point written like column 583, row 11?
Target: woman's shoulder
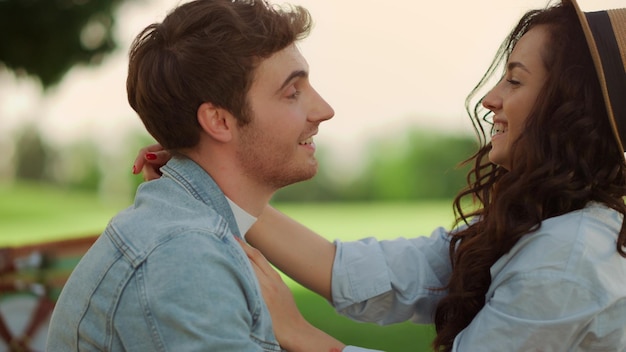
column 577, row 243
column 576, row 250
column 594, row 221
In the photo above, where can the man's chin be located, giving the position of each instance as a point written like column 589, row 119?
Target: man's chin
column 304, row 175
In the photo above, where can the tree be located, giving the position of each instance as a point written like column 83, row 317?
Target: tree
column 417, row 165
column 31, row 155
column 45, row 38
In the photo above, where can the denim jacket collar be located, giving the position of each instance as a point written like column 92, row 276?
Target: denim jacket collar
column 201, row 186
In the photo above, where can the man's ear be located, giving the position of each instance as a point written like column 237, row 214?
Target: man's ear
column 216, row 122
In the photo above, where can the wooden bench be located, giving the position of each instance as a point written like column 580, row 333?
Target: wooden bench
column 31, row 279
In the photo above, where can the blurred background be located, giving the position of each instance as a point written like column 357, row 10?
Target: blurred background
column 397, row 74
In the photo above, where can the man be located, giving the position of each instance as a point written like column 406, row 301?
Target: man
column 221, row 84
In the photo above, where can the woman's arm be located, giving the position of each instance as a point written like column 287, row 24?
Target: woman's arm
column 296, row 250
column 292, row 331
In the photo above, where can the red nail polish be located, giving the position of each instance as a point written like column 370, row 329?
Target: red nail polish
column 134, row 169
column 151, row 156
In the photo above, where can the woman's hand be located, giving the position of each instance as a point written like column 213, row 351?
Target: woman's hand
column 292, row 331
column 149, row 160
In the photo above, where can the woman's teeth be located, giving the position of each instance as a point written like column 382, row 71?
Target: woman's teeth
column 498, row 128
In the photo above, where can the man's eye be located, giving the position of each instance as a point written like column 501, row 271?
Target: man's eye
column 294, row 94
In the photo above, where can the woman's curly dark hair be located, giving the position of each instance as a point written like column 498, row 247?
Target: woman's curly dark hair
column 566, row 158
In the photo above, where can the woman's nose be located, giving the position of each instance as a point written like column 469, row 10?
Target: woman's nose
column 492, row 101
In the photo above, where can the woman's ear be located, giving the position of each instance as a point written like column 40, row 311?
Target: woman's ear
column 216, row 122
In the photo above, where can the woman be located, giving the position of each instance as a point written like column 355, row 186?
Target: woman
column 537, row 262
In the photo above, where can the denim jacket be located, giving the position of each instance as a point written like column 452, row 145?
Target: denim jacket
column 165, row 275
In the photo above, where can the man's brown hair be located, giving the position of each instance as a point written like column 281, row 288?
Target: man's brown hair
column 205, row 51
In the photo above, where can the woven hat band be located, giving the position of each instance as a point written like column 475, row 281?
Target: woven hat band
column 609, row 33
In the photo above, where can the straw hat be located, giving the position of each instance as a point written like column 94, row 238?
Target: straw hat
column 606, row 36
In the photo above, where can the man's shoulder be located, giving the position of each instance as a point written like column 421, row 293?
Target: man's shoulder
column 137, row 231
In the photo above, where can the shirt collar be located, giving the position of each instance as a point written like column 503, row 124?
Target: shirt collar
column 243, row 219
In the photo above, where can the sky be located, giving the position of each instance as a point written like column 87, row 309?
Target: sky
column 383, row 66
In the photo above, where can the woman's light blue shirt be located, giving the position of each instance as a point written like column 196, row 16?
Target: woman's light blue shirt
column 560, row 288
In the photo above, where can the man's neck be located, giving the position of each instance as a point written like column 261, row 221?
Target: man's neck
column 240, row 189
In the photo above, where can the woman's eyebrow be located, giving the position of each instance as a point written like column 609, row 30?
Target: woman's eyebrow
column 516, row 64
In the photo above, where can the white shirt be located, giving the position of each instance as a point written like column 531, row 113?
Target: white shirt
column 560, row 288
column 243, row 219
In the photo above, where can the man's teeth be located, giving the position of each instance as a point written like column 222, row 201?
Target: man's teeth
column 307, row 141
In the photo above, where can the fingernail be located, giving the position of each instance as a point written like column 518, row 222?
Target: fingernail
column 134, row 169
column 151, row 156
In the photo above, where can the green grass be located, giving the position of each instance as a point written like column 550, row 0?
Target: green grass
column 31, row 213
column 352, row 221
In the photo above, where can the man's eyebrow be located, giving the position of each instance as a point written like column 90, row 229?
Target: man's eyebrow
column 517, row 64
column 292, row 76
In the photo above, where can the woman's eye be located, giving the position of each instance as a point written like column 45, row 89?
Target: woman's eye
column 513, row 82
